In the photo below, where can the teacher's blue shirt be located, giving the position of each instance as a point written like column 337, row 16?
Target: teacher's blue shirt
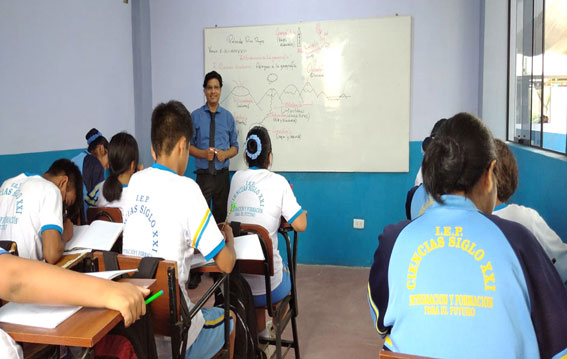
column 225, row 133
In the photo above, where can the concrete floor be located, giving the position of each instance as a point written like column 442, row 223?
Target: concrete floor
column 334, row 319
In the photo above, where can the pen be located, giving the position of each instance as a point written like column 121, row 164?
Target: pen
column 231, row 209
column 151, row 299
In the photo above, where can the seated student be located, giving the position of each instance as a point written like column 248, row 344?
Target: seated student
column 458, row 281
column 271, row 197
column 26, row 281
column 507, row 173
column 167, row 216
column 32, row 209
column 92, row 162
column 123, row 163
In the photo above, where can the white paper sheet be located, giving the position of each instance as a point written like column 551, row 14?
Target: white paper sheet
column 43, row 316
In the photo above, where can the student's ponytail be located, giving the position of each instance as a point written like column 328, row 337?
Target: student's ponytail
column 458, row 156
column 122, row 151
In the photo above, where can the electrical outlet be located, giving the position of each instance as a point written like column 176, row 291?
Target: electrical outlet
column 358, row 223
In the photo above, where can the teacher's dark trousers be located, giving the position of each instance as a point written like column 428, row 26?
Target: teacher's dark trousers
column 215, row 187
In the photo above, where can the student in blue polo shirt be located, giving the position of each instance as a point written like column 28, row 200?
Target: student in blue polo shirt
column 458, row 281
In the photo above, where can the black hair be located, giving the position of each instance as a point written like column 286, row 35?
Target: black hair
column 170, row 122
column 257, row 154
column 100, row 140
column 507, row 171
column 458, row 156
column 122, row 151
column 65, row 167
column 427, row 140
column 212, row 75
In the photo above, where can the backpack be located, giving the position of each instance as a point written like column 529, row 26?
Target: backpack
column 246, row 344
column 137, row 341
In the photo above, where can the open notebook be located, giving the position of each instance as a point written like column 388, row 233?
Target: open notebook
column 99, row 235
column 246, row 247
column 46, row 316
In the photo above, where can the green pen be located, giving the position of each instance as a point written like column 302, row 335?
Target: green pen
column 228, row 215
column 151, row 299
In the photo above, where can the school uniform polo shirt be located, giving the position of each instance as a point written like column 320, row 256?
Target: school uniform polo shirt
column 101, row 201
column 555, row 248
column 457, row 283
column 225, row 134
column 263, row 197
column 29, row 205
column 166, row 216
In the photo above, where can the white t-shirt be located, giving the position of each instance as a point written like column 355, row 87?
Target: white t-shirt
column 263, row 197
column 29, row 205
column 9, row 349
column 119, row 203
column 167, row 216
column 549, row 240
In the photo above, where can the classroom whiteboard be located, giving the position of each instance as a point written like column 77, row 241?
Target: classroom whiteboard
column 334, row 95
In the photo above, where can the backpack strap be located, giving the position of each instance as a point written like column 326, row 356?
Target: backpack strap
column 147, row 267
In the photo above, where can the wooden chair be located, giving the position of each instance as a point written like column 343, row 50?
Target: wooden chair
column 10, row 247
column 384, row 354
column 109, row 214
column 286, row 310
column 170, row 316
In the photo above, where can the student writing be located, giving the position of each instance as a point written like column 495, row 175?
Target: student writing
column 263, row 197
column 32, row 210
column 457, row 281
column 167, row 216
column 27, row 281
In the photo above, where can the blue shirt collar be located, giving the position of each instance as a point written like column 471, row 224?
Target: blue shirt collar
column 254, row 168
column 455, row 201
column 206, row 108
column 162, row 167
column 30, row 174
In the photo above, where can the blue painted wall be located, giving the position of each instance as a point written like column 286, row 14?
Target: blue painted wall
column 331, row 199
column 542, row 182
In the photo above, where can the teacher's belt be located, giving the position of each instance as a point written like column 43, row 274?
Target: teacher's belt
column 205, row 171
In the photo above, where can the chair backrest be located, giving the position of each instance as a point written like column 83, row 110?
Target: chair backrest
column 110, row 214
column 161, row 319
column 10, row 247
column 257, row 267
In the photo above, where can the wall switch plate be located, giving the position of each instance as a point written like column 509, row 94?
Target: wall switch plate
column 358, row 223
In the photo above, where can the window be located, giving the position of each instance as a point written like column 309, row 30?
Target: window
column 537, row 85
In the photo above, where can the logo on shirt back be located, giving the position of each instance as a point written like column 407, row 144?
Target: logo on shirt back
column 249, row 189
column 14, row 191
column 141, row 207
column 451, row 304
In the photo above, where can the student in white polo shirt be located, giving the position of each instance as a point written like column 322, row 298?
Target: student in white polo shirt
column 263, row 197
column 123, row 157
column 166, row 216
column 32, row 209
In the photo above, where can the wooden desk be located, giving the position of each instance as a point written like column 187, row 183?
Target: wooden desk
column 83, row 329
column 70, row 260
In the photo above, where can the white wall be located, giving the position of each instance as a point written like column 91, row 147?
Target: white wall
column 445, row 51
column 65, row 66
column 495, row 67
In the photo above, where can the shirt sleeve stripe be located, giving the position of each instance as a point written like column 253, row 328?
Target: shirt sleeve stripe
column 374, row 311
column 295, row 216
column 201, row 228
column 51, row 226
column 215, row 251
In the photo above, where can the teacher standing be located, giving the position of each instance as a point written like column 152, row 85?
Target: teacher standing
column 213, row 144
